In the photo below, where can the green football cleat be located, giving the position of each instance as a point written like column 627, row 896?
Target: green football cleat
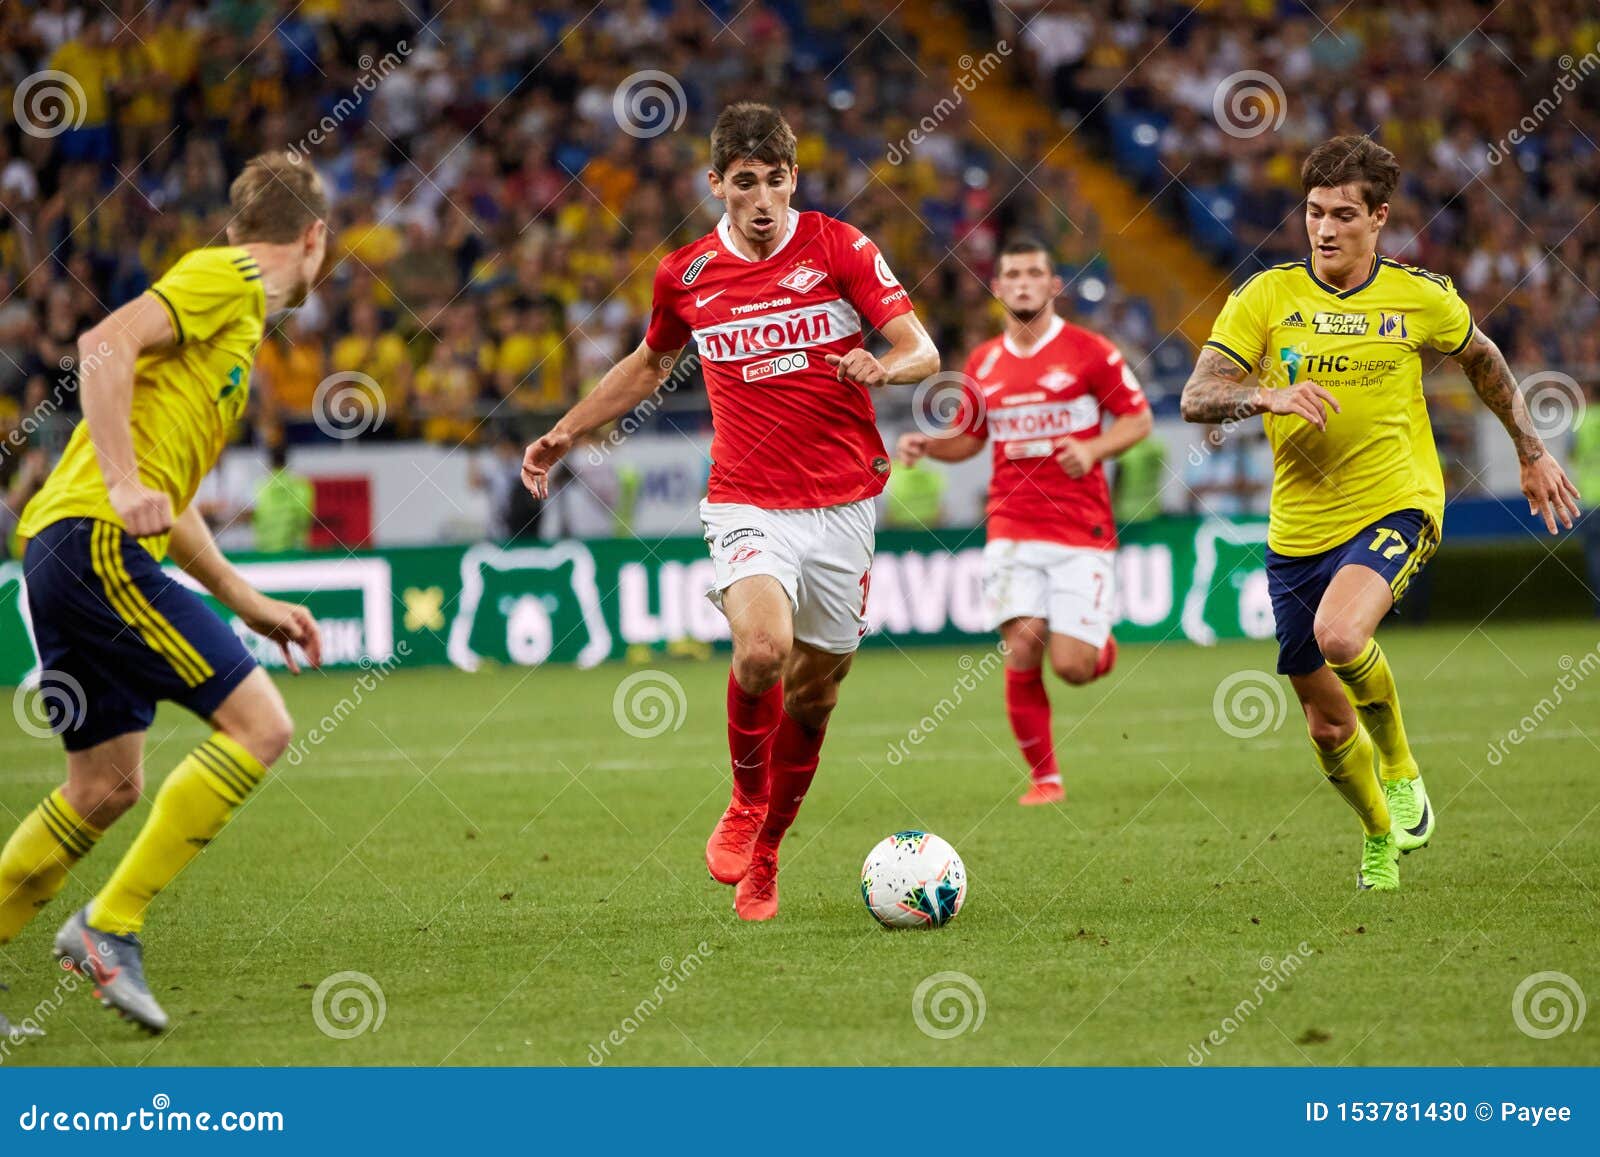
column 1380, row 864
column 1411, row 813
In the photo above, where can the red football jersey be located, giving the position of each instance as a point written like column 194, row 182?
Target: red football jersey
column 785, row 433
column 1027, row 403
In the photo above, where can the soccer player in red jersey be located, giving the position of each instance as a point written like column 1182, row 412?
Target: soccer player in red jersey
column 1038, row 394
column 778, row 303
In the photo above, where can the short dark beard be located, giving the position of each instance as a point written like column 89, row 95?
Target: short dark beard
column 1026, row 317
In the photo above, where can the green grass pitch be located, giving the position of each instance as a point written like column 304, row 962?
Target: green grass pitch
column 522, row 879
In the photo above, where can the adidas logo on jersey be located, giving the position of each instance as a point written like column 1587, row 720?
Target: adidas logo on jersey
column 1293, row 321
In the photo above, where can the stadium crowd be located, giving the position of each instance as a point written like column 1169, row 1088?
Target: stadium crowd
column 502, row 193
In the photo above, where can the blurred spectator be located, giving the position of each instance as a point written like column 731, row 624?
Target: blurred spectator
column 1136, row 482
column 585, row 493
column 514, row 514
column 283, row 511
column 915, row 497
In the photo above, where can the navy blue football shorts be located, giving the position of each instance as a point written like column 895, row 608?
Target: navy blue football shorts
column 116, row 634
column 1397, row 546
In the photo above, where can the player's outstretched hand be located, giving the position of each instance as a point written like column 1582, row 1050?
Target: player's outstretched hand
column 1550, row 493
column 1308, row 400
column 143, row 511
column 911, row 449
column 858, row 366
column 286, row 623
column 1075, row 457
column 538, row 460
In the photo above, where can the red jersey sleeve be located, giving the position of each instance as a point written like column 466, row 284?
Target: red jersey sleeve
column 667, row 330
column 1116, row 387
column 864, row 277
column 973, row 417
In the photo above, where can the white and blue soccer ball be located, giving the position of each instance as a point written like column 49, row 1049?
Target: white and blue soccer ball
column 914, row 880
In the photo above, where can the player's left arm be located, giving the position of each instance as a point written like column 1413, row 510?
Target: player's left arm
column 1550, row 493
column 911, row 357
column 1120, row 393
column 192, row 548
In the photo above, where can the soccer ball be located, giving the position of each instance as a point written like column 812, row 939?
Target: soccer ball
column 913, row 880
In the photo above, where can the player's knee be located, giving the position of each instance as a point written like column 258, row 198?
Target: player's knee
column 1329, row 734
column 758, row 662
column 114, row 797
column 810, row 704
column 1338, row 643
column 1075, row 669
column 267, row 735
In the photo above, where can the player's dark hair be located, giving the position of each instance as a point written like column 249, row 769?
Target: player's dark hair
column 1352, row 161
column 274, row 199
column 1024, row 243
column 750, row 131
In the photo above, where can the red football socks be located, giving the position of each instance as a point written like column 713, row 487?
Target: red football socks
column 794, row 764
column 752, row 725
column 1028, row 707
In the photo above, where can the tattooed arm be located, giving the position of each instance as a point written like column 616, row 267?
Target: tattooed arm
column 1217, row 392
column 1550, row 493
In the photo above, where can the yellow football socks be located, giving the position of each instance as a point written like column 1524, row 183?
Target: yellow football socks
column 192, row 806
column 1369, row 684
column 1349, row 768
column 37, row 857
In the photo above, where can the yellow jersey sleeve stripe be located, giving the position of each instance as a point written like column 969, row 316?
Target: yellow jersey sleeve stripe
column 1220, row 348
column 172, row 312
column 1465, row 342
column 136, row 610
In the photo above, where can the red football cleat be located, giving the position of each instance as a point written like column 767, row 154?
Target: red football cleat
column 756, row 897
column 728, row 849
column 1041, row 793
column 1108, row 657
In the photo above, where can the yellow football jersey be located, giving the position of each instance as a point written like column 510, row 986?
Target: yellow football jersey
column 1364, row 345
column 186, row 396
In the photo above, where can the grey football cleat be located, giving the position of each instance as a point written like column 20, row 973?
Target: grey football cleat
column 116, row 965
column 17, row 1033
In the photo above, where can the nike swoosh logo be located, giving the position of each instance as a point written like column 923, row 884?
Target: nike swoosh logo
column 102, row 974
column 702, row 302
column 1422, row 824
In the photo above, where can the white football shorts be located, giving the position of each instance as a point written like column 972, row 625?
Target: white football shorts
column 822, row 557
column 1073, row 587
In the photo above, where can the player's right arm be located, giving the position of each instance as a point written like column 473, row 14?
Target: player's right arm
column 106, row 357
column 1219, row 391
column 624, row 386
column 911, row 447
